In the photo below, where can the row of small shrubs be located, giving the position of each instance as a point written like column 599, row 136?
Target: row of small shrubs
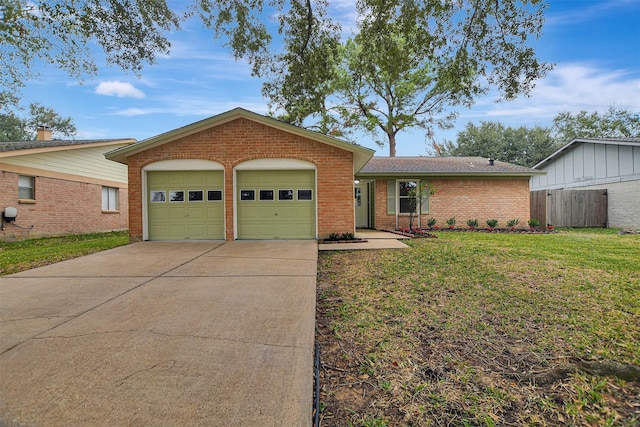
column 491, row 223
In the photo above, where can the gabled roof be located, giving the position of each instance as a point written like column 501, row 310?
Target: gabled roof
column 12, row 148
column 635, row 142
column 360, row 154
column 442, row 166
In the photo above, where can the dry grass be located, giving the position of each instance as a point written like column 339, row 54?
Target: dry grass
column 482, row 329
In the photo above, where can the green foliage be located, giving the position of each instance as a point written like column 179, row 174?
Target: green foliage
column 528, row 146
column 533, row 223
column 407, row 62
column 613, row 123
column 431, row 222
column 27, row 254
column 493, row 223
column 59, row 32
column 512, row 222
column 521, row 146
column 334, row 236
column 14, row 128
column 451, row 221
column 347, row 236
column 472, row 223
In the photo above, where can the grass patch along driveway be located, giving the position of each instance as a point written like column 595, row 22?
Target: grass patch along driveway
column 482, row 329
column 32, row 253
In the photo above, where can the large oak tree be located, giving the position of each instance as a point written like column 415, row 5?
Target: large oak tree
column 408, row 61
column 411, row 61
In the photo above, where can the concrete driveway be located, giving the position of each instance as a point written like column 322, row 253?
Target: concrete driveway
column 158, row 333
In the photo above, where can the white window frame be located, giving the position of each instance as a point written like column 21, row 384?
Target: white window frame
column 110, row 199
column 393, row 198
column 30, row 187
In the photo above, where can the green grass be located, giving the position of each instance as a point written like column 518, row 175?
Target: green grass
column 27, row 254
column 467, row 316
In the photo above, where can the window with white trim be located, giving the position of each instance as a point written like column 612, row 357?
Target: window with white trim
column 26, row 187
column 408, row 196
column 405, row 193
column 109, row 199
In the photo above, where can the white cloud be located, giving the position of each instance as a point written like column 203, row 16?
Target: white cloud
column 588, row 12
column 119, row 89
column 136, row 112
column 570, row 87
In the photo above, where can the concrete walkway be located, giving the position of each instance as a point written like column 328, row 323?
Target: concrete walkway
column 375, row 239
column 171, row 334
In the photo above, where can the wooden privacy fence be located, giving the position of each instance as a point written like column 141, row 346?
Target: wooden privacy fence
column 570, row 208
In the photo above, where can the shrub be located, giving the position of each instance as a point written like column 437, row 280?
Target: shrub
column 512, row 222
column 451, row 222
column 533, row 223
column 431, row 222
column 472, row 223
column 492, row 223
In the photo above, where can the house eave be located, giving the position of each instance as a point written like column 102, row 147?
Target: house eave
column 361, row 155
column 39, row 150
column 394, row 175
column 576, row 141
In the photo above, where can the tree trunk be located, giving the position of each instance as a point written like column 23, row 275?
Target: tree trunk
column 392, row 145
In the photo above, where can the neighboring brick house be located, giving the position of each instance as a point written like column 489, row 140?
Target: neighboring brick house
column 461, row 187
column 61, row 187
column 610, row 164
column 241, row 175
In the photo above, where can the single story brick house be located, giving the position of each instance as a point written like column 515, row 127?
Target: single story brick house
column 60, row 187
column 461, row 187
column 241, row 175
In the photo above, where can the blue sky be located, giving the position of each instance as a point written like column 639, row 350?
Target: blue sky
column 594, row 45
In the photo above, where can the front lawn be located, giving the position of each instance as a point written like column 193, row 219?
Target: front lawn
column 27, row 254
column 482, row 329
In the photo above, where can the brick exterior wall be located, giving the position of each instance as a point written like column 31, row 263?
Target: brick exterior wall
column 467, row 198
column 240, row 140
column 60, row 207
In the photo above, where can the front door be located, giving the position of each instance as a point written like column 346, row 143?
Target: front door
column 361, row 195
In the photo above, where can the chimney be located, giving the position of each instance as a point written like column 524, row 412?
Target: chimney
column 491, row 161
column 44, row 133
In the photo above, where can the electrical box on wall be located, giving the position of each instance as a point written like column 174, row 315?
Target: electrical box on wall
column 10, row 214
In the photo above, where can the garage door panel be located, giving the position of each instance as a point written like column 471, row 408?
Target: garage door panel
column 180, row 220
column 176, row 213
column 275, row 219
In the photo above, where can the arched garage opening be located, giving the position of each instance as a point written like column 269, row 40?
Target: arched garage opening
column 183, row 200
column 275, row 199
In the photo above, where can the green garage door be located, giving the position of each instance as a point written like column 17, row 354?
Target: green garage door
column 185, row 205
column 277, row 204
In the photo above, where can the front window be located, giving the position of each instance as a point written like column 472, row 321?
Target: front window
column 109, row 199
column 408, row 196
column 26, row 187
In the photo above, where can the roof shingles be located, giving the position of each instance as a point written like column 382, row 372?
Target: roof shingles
column 442, row 166
column 26, row 145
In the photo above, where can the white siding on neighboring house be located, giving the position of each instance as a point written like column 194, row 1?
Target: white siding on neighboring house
column 598, row 164
column 86, row 162
column 587, row 164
